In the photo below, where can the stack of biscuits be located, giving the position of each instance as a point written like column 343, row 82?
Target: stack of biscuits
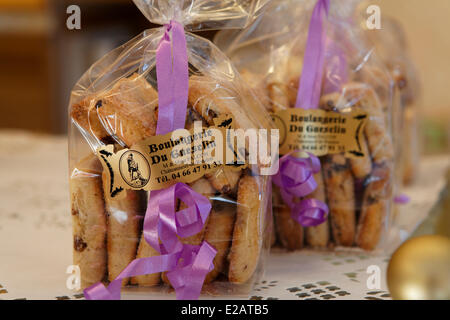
column 358, row 191
column 270, row 55
column 107, row 232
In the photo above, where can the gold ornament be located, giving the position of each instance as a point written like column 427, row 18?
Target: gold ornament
column 420, row 269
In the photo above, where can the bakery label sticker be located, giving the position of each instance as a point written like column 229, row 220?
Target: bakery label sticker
column 179, row 156
column 321, row 132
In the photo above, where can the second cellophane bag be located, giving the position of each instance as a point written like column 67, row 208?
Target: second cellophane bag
column 358, row 191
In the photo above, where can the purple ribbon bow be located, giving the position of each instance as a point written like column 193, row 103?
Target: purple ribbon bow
column 186, row 265
column 296, row 175
column 163, row 224
column 296, row 180
column 186, row 268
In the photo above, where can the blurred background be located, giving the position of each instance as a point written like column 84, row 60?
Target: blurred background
column 40, row 59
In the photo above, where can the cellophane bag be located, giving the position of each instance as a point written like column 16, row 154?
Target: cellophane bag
column 391, row 45
column 358, row 190
column 114, row 107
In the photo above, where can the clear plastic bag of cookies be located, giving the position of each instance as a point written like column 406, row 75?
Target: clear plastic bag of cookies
column 207, row 232
column 306, row 59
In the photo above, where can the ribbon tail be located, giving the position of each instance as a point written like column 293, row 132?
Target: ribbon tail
column 98, row 291
column 196, row 272
column 309, row 91
column 151, row 221
column 137, row 267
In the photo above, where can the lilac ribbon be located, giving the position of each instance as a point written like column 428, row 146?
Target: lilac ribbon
column 195, row 262
column 137, row 267
column 295, row 177
column 173, row 79
column 309, row 91
column 296, row 180
column 186, row 265
column 310, row 212
column 187, row 269
column 162, row 224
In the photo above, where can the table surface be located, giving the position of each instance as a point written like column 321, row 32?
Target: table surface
column 36, row 236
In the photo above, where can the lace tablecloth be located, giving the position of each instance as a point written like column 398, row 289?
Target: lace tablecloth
column 36, row 238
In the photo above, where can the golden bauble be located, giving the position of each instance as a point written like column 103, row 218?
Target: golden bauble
column 420, row 269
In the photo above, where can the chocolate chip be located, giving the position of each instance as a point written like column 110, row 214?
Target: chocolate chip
column 74, row 212
column 339, row 167
column 330, row 106
column 79, row 244
column 212, row 114
column 107, row 140
column 371, row 200
column 226, row 188
column 99, row 104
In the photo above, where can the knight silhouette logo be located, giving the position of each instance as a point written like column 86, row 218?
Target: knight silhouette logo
column 134, row 169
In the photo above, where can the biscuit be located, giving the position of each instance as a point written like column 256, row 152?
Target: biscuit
column 257, row 88
column 374, row 208
column 252, row 79
column 224, row 180
column 380, row 80
column 318, row 236
column 127, row 112
column 124, row 216
column 361, row 166
column 88, row 121
column 282, row 86
column 289, row 232
column 89, row 220
column 278, row 96
column 211, row 99
column 294, row 68
column 361, row 96
column 247, row 239
column 219, row 232
column 144, row 251
column 339, row 184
